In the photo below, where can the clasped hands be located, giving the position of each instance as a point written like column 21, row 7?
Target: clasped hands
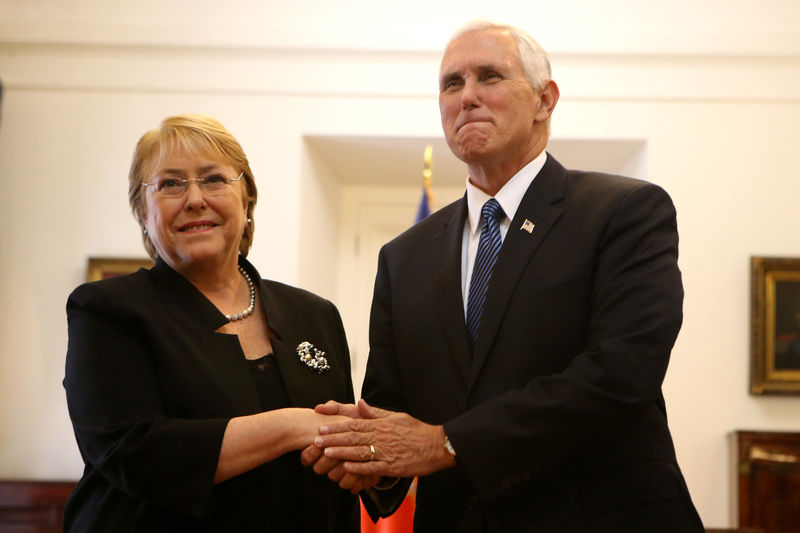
column 375, row 443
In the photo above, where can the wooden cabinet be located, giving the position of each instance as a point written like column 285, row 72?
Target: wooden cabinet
column 33, row 506
column 746, row 530
column 768, row 473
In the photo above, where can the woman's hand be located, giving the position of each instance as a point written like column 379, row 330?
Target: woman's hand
column 250, row 441
column 305, row 424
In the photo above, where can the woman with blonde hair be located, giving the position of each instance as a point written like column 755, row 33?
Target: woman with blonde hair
column 191, row 385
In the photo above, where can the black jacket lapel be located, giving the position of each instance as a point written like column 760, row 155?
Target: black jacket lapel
column 179, row 295
column 306, row 386
column 518, row 249
column 447, row 242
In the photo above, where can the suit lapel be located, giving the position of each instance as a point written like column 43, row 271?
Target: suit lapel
column 449, row 301
column 518, row 249
column 305, row 386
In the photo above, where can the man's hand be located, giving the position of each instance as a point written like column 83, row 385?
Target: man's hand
column 333, row 468
column 313, row 455
column 384, row 443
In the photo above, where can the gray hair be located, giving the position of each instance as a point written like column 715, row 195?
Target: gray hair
column 534, row 60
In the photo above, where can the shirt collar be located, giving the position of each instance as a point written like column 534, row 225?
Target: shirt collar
column 509, row 196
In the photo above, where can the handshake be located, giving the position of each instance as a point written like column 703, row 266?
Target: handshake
column 363, row 445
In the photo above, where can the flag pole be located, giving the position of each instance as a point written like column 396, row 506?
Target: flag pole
column 426, row 202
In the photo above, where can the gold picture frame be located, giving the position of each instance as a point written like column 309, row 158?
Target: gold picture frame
column 775, row 325
column 108, row 267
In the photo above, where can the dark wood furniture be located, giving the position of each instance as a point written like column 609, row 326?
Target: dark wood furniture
column 768, row 472
column 746, row 530
column 33, row 506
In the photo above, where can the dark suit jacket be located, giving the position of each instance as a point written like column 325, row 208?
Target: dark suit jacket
column 150, row 388
column 556, row 414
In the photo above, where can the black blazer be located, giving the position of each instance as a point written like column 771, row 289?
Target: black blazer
column 150, row 389
column 556, row 413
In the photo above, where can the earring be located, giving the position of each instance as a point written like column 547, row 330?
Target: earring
column 249, row 221
column 144, row 231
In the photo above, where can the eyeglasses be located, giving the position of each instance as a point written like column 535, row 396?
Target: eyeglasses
column 174, row 187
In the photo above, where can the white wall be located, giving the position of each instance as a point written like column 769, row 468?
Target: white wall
column 710, row 87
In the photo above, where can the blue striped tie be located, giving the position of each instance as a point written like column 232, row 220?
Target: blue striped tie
column 488, row 247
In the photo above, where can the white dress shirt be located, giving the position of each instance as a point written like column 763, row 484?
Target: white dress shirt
column 509, row 198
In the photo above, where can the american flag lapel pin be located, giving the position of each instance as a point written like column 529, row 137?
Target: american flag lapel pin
column 528, row 226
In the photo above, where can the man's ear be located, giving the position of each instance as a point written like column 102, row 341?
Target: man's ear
column 548, row 98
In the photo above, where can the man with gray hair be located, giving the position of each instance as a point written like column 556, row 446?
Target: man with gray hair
column 519, row 336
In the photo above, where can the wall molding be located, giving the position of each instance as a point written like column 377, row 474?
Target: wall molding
column 382, row 74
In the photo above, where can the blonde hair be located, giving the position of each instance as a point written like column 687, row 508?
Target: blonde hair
column 193, row 133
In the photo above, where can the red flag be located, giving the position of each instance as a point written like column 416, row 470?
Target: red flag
column 402, row 521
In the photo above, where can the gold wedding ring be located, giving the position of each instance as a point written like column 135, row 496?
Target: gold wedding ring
column 371, row 452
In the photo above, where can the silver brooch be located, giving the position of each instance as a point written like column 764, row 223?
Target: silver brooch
column 313, row 357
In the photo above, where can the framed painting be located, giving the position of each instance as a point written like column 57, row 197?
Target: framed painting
column 775, row 325
column 108, row 267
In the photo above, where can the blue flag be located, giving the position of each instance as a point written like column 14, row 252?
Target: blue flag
column 424, row 205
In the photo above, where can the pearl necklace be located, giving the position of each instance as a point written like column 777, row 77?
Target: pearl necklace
column 246, row 312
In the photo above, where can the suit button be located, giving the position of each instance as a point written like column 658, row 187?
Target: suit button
column 505, row 483
column 516, row 478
